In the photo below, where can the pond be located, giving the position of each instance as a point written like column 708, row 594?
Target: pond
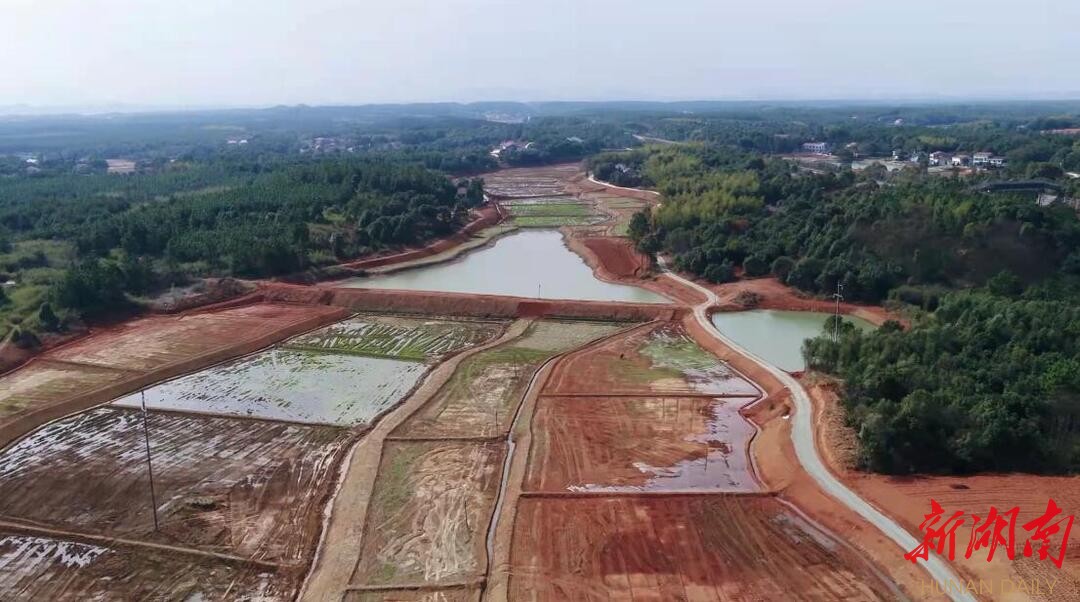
column 777, row 336
column 531, row 263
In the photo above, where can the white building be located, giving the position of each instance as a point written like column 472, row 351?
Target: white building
column 939, row 159
column 821, row 148
column 961, row 160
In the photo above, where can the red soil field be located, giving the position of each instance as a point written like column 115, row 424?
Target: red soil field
column 701, row 548
column 658, row 359
column 150, row 343
column 618, row 257
column 620, row 444
column 250, row 488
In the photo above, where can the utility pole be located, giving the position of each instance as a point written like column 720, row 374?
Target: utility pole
column 839, row 297
column 149, row 465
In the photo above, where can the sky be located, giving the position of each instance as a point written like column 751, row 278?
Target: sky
column 217, row 53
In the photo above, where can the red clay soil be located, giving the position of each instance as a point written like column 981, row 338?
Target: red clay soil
column 776, row 295
column 463, row 304
column 635, row 444
column 907, row 500
column 251, row 488
column 703, row 548
column 486, row 217
column 617, row 257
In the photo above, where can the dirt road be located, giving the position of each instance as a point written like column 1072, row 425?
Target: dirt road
column 802, row 434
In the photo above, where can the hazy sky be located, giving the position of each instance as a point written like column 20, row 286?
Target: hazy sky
column 262, row 52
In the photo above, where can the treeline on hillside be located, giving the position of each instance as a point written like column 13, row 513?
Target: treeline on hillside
column 1023, row 134
column 725, row 210
column 986, row 379
column 133, row 235
column 984, row 383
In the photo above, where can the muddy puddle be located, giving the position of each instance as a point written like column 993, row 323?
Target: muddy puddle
column 530, row 263
column 777, row 336
column 297, row 386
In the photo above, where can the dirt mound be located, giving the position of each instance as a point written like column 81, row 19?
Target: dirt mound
column 618, row 257
column 463, row 304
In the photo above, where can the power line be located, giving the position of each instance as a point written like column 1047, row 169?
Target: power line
column 149, row 464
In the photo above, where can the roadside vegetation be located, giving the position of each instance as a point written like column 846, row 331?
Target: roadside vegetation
column 986, row 376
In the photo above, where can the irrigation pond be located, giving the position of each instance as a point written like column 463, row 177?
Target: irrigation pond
column 530, row 263
column 777, row 336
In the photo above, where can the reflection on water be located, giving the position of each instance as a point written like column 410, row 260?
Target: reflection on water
column 531, row 263
column 777, row 336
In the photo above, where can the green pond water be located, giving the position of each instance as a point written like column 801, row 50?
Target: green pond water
column 531, row 263
column 777, row 336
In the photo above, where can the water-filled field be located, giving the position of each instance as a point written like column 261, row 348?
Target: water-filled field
column 777, row 336
column 293, row 385
column 249, row 487
column 531, row 263
column 417, row 339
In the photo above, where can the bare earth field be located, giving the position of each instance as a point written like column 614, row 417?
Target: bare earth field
column 429, row 513
column 151, row 342
column 658, row 360
column 697, row 548
column 480, row 398
column 530, row 181
column 620, row 444
column 36, row 568
column 43, row 382
column 449, row 594
column 242, row 487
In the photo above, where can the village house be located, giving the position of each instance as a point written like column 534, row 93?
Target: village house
column 961, row 160
column 821, row 148
column 939, row 159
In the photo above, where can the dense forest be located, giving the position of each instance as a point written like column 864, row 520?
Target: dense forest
column 87, row 243
column 988, row 375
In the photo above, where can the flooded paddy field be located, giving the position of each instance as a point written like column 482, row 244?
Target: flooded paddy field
column 418, row 339
column 662, row 360
column 42, row 568
column 701, row 548
column 292, row 385
column 42, row 383
column 777, row 336
column 429, row 513
column 246, row 487
column 149, row 343
column 481, row 396
column 529, row 263
column 628, row 444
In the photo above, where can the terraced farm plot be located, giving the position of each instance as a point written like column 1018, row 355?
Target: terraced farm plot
column 540, row 200
column 247, row 487
column 511, row 184
column 701, row 548
column 429, row 513
column 43, row 383
column 39, row 568
column 284, row 384
column 662, row 360
column 555, row 221
column 551, row 210
column 480, row 398
column 150, row 343
column 398, row 337
column 620, row 444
